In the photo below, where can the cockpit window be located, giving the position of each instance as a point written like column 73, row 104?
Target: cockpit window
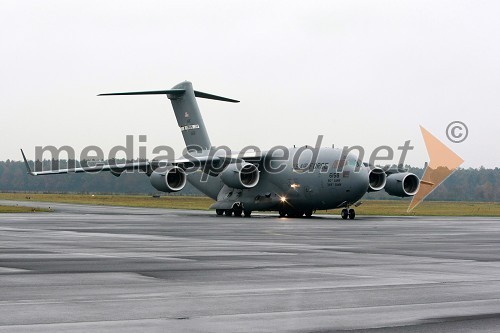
column 352, row 162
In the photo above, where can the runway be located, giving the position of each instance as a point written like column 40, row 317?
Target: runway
column 112, row 269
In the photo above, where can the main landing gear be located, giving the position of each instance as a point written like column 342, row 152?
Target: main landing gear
column 348, row 213
column 237, row 211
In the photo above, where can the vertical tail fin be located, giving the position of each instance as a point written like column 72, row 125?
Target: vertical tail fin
column 189, row 118
column 187, row 113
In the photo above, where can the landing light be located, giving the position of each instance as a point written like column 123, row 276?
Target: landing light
column 295, row 186
column 283, row 199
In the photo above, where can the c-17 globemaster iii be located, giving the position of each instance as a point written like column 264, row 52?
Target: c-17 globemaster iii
column 292, row 181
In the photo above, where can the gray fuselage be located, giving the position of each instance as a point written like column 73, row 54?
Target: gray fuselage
column 299, row 182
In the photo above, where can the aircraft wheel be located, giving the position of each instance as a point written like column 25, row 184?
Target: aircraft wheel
column 219, row 212
column 228, row 212
column 247, row 213
column 344, row 213
column 308, row 213
column 238, row 212
column 352, row 214
column 282, row 213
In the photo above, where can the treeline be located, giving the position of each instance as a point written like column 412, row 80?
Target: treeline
column 13, row 178
column 463, row 185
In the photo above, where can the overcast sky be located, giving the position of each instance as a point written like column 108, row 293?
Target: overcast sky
column 358, row 72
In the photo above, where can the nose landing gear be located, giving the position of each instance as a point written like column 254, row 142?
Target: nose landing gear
column 348, row 213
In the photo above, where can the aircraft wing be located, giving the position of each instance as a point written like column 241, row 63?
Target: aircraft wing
column 117, row 169
column 114, row 169
column 247, row 157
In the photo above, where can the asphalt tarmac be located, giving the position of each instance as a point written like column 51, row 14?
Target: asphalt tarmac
column 112, row 269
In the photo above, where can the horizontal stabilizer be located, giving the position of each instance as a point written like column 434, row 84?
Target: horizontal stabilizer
column 174, row 92
column 215, row 97
column 156, row 92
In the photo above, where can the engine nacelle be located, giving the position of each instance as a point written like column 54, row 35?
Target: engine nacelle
column 168, row 179
column 402, row 184
column 376, row 179
column 240, row 175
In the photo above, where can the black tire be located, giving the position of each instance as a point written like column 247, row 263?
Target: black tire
column 352, row 214
column 247, row 213
column 308, row 213
column 228, row 212
column 282, row 213
column 238, row 212
column 344, row 213
column 219, row 212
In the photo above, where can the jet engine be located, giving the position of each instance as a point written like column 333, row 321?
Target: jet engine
column 376, row 179
column 168, row 179
column 402, row 184
column 240, row 175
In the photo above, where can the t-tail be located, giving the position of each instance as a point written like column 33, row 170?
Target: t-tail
column 183, row 99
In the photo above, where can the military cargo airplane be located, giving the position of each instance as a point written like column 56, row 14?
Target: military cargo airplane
column 295, row 182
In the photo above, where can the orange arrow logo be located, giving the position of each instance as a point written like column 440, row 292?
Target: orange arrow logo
column 443, row 162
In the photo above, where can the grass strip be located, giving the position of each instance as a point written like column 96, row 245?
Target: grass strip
column 369, row 207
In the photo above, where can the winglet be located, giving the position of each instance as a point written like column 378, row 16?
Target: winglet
column 27, row 165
